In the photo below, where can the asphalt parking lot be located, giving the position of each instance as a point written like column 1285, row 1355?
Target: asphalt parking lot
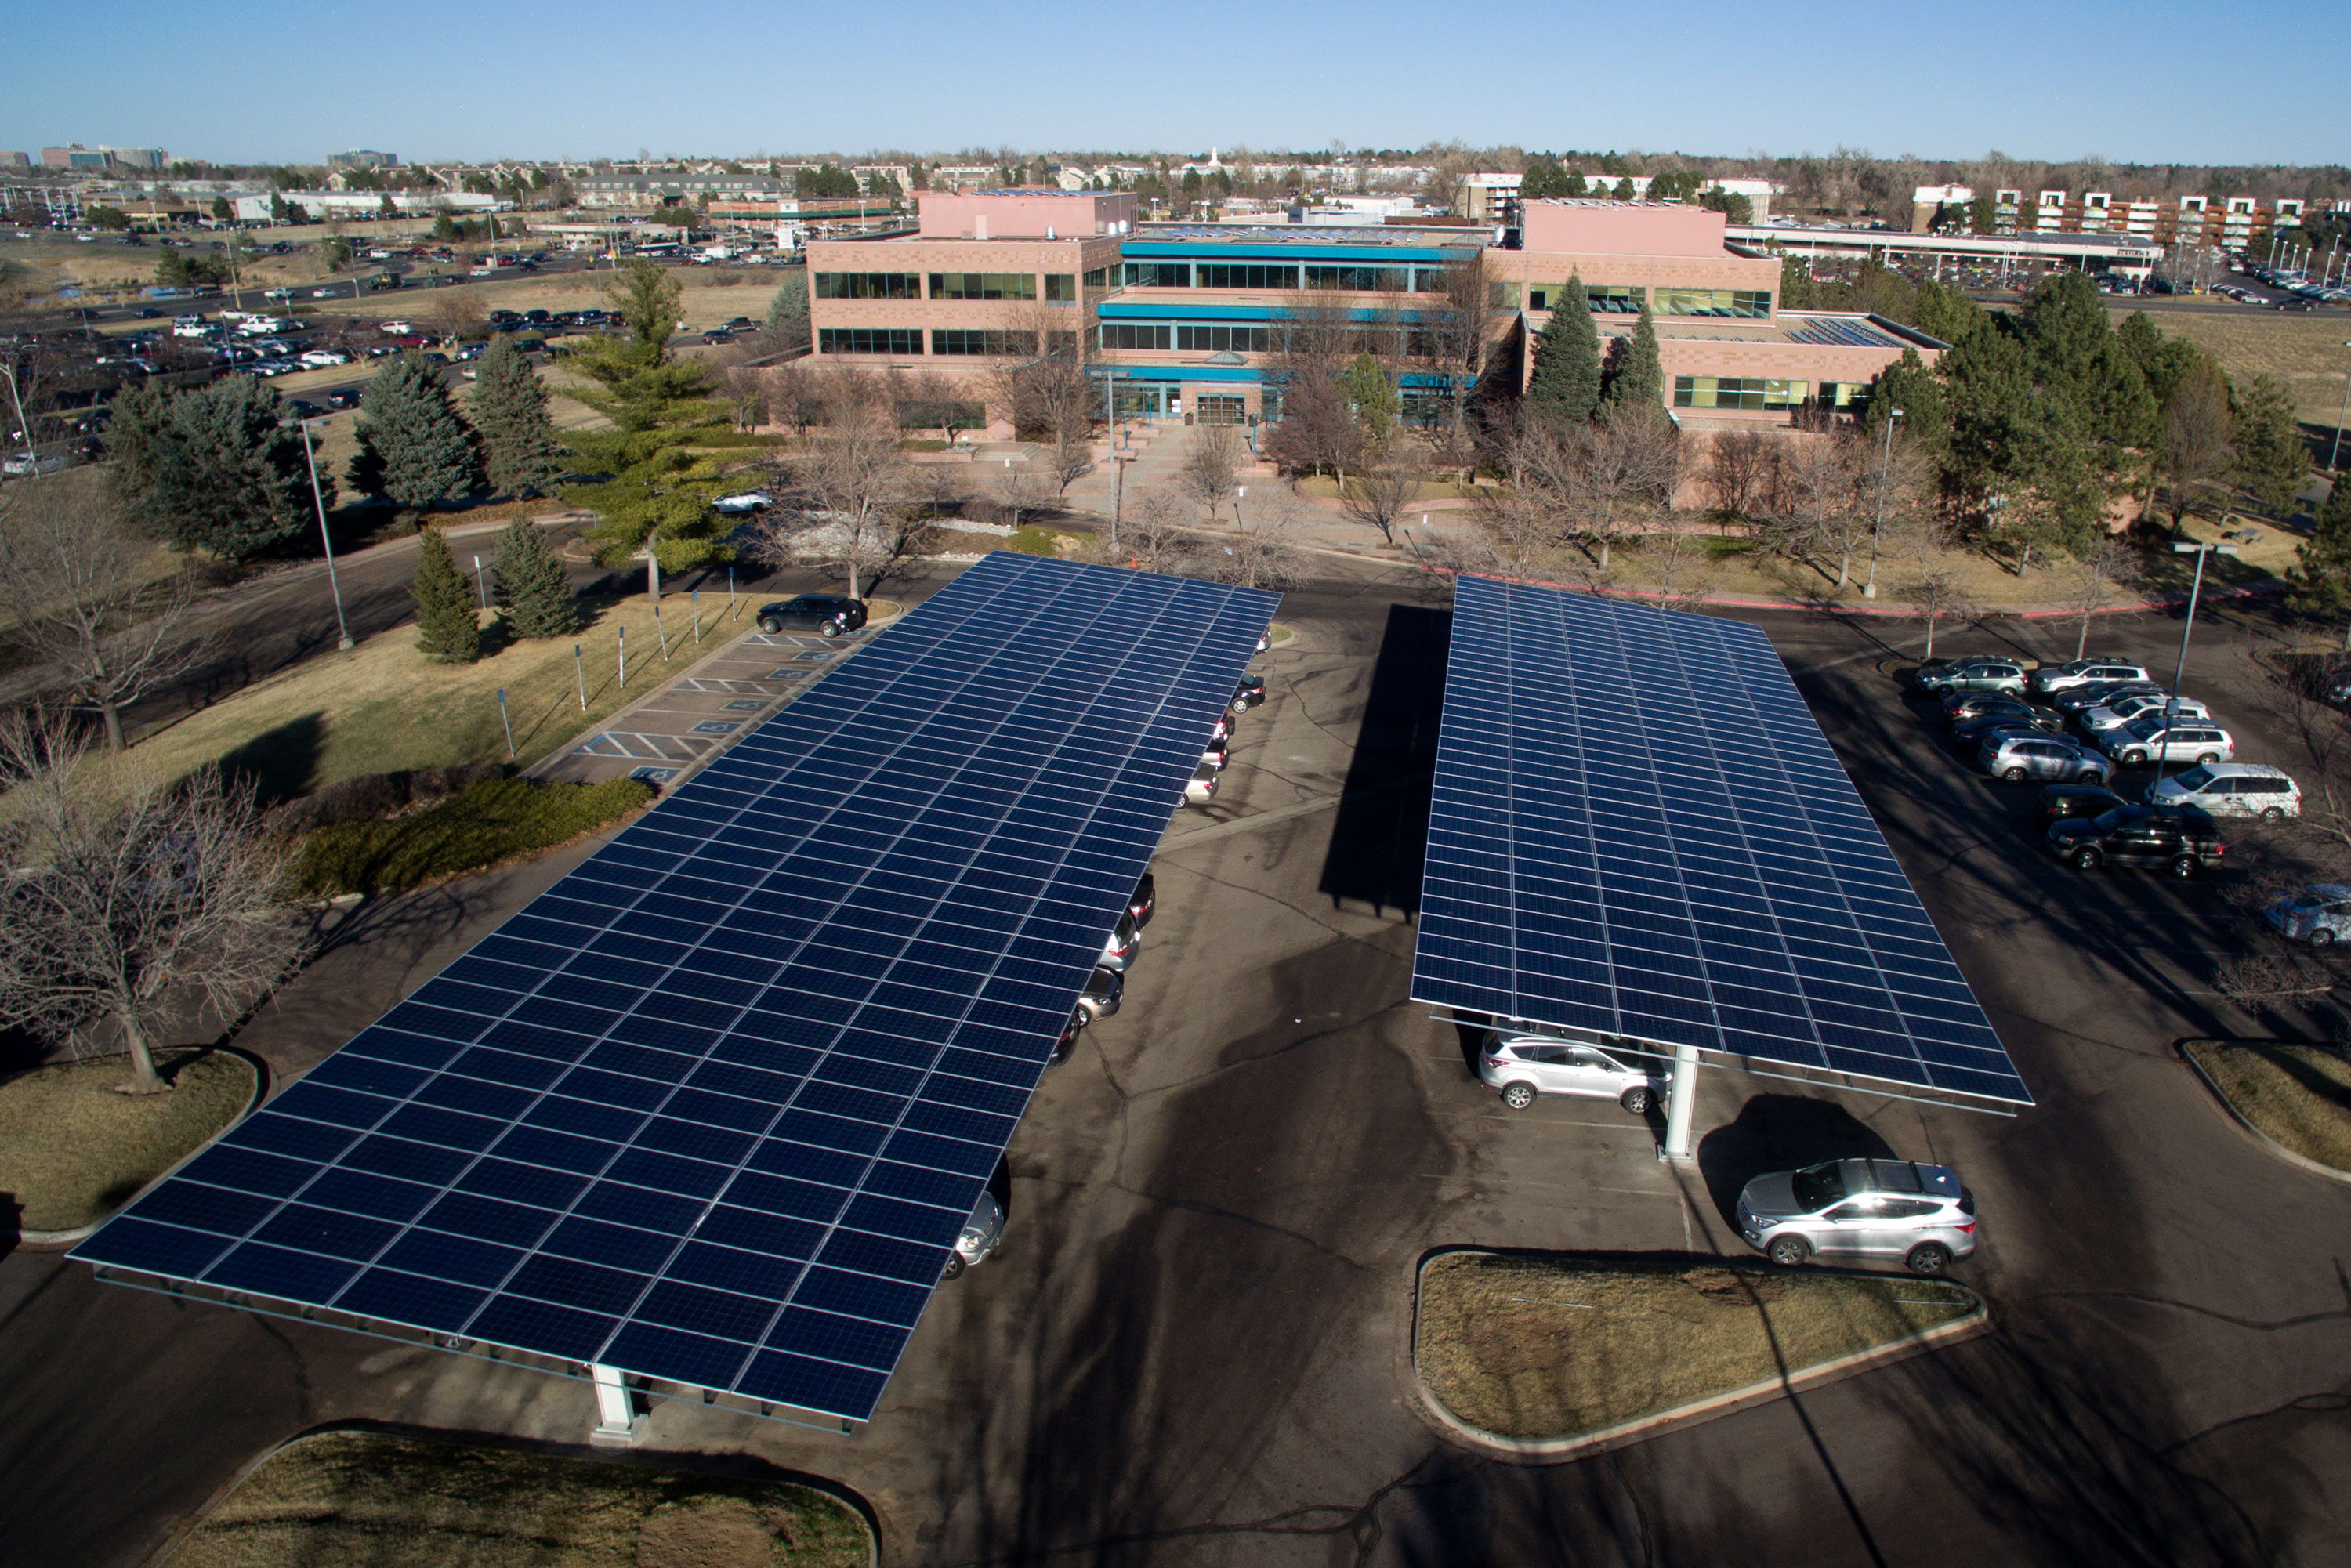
column 1193, row 1345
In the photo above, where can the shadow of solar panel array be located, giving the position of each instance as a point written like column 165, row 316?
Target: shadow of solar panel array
column 1841, row 334
column 1638, row 830
column 714, row 1107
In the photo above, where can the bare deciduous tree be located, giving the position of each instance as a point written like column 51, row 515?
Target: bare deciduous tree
column 1740, row 470
column 2270, row 982
column 1317, row 430
column 850, row 491
column 1936, row 588
column 1675, row 554
column 1623, row 470
column 128, row 900
column 1212, row 468
column 1381, row 492
column 1022, row 487
column 2091, row 577
column 1823, row 502
column 1152, row 538
column 1259, row 552
column 76, row 584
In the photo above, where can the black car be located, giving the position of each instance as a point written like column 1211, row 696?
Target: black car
column 1961, row 707
column 1249, row 693
column 2024, row 715
column 1139, row 908
column 824, row 614
column 303, row 408
column 2078, row 801
column 2082, row 699
column 718, row 335
column 343, row 397
column 2182, row 841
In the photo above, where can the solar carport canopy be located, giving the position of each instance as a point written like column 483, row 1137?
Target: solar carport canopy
column 1638, row 830
column 714, row 1107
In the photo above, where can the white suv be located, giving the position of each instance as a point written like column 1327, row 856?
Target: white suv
column 1525, row 1065
column 2232, row 790
column 2145, row 740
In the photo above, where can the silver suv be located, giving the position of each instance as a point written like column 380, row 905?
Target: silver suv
column 1525, row 1065
column 1872, row 1210
column 2016, row 755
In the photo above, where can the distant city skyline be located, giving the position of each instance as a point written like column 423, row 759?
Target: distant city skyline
column 268, row 81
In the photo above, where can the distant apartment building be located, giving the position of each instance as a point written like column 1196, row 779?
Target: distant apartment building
column 2229, row 222
column 105, row 159
column 362, row 158
column 1482, row 198
column 1188, row 318
column 16, row 160
column 644, row 192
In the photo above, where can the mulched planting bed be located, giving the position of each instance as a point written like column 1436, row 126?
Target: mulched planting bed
column 72, row 1150
column 355, row 1499
column 1537, row 1347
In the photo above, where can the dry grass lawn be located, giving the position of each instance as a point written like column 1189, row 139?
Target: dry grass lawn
column 350, row 1499
column 1554, row 1348
column 2305, row 352
column 384, row 707
column 2300, row 1095
column 71, row 1149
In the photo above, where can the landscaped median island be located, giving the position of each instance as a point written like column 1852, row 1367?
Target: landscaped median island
column 72, row 1150
column 2297, row 1097
column 484, row 825
column 1535, row 1348
column 367, row 1499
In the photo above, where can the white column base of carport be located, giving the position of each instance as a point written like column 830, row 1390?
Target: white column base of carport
column 1681, row 1105
column 617, row 1423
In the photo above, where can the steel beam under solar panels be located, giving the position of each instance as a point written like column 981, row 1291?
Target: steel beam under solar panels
column 713, row 1109
column 1638, row 830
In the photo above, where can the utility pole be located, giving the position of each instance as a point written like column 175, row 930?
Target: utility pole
column 317, row 499
column 1886, row 459
column 2179, row 672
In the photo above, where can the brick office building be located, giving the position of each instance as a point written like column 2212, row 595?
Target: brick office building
column 1184, row 319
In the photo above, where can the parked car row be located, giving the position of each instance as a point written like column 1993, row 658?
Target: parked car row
column 1248, row 694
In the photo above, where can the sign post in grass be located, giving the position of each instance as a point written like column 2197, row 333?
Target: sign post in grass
column 506, row 720
column 621, row 644
column 730, row 593
column 580, row 664
column 695, row 599
column 659, row 635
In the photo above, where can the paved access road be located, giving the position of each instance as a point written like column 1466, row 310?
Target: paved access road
column 1192, row 1346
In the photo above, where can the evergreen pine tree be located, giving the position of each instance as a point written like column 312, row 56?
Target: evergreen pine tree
column 1640, row 378
column 446, row 629
column 2320, row 574
column 211, row 468
column 1566, row 384
column 509, row 408
column 415, row 448
column 2271, row 459
column 530, row 585
column 1926, row 404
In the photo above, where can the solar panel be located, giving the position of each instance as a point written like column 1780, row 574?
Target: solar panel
column 1638, row 829
column 714, row 1107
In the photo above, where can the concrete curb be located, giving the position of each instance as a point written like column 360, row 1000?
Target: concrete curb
column 2237, row 1117
column 1558, row 1451
column 177, row 1537
column 261, row 1078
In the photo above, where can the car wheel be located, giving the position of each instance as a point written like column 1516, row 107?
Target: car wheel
column 770, row 625
column 2085, row 860
column 1928, row 1258
column 829, row 628
column 1519, row 1096
column 2273, row 814
column 1637, row 1101
column 2090, row 776
column 2209, row 759
column 2013, row 776
column 955, row 1266
column 2321, row 937
column 2134, row 758
column 1789, row 1250
column 2183, row 868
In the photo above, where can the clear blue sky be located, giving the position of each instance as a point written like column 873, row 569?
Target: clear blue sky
column 239, row 81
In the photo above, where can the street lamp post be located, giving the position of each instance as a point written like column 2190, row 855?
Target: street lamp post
column 24, row 425
column 2171, row 704
column 343, row 629
column 2334, row 457
column 1886, row 459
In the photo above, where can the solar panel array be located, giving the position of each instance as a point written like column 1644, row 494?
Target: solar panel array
column 1638, row 830
column 714, row 1108
column 1840, row 334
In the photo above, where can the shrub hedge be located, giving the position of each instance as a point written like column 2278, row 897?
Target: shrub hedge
column 492, row 820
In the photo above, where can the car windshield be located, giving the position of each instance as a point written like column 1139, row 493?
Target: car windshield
column 2195, row 779
column 2147, row 728
column 2120, row 817
column 1817, row 1187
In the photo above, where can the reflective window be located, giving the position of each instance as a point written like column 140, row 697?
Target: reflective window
column 983, row 286
column 869, row 286
column 1137, row 335
column 869, row 341
column 1738, row 392
column 1755, row 303
column 1098, row 279
column 1159, row 274
column 1223, row 339
column 1624, row 299
column 1061, row 288
column 1217, row 274
column 968, row 340
column 1358, row 279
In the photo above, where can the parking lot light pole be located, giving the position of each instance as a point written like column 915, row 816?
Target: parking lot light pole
column 1886, row 460
column 310, row 453
column 2171, row 704
column 24, row 425
column 2334, row 458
